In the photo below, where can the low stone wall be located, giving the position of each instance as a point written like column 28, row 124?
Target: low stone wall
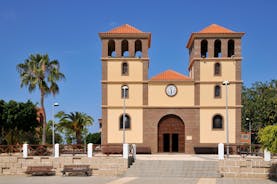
column 105, row 165
column 248, row 168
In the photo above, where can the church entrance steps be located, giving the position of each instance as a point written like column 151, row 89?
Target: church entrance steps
column 178, row 156
column 174, row 166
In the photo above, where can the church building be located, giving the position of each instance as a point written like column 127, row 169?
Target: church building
column 171, row 112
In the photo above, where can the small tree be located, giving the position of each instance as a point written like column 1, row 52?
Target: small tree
column 18, row 122
column 268, row 138
column 94, row 138
column 74, row 122
column 49, row 132
column 2, row 106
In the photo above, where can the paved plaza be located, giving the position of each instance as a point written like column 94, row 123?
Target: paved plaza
column 126, row 180
column 143, row 178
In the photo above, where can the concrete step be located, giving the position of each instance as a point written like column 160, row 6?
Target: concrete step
column 174, row 168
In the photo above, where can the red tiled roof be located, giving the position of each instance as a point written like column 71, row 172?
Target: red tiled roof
column 214, row 28
column 169, row 75
column 211, row 30
column 126, row 28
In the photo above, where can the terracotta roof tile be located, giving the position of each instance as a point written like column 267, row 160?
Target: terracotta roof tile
column 169, row 75
column 214, row 28
column 126, row 28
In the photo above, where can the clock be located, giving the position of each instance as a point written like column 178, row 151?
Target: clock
column 171, row 90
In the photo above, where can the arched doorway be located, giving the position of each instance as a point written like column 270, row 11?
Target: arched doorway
column 171, row 134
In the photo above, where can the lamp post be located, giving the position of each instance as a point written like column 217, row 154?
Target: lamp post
column 53, row 126
column 125, row 146
column 125, row 88
column 249, row 123
column 226, row 83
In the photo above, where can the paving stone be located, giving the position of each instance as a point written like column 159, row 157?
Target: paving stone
column 174, row 168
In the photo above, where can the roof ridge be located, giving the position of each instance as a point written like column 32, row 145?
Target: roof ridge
column 170, row 75
column 125, row 28
column 215, row 28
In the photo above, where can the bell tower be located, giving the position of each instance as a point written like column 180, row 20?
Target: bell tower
column 214, row 57
column 125, row 65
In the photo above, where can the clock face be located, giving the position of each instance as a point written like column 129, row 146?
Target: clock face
column 171, row 90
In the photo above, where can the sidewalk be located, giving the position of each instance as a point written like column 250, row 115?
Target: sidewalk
column 126, row 180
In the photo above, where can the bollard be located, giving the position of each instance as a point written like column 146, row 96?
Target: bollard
column 90, row 150
column 125, row 151
column 25, row 150
column 134, row 151
column 221, row 151
column 57, row 150
column 266, row 155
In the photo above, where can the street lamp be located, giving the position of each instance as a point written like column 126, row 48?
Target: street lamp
column 53, row 126
column 247, row 119
column 125, row 88
column 125, row 146
column 226, row 83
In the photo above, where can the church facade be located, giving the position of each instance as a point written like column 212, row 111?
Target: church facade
column 171, row 112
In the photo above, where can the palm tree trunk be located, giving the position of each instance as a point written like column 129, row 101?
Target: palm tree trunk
column 44, row 117
column 79, row 137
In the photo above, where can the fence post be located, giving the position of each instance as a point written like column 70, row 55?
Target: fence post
column 220, row 151
column 90, row 149
column 134, row 151
column 57, row 150
column 25, row 150
column 266, row 155
column 125, row 151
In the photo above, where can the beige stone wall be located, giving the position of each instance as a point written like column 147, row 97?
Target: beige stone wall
column 135, row 70
column 104, row 166
column 134, row 134
column 158, row 97
column 248, row 168
column 208, row 135
column 135, row 95
column 228, row 71
column 207, row 95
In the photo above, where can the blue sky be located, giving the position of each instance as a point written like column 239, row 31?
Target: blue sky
column 68, row 31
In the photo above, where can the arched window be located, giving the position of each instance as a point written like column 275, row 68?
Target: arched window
column 124, row 69
column 217, row 69
column 217, row 91
column 217, row 48
column 138, row 48
column 111, row 48
column 124, row 91
column 127, row 122
column 217, row 122
column 231, row 48
column 124, row 48
column 204, row 48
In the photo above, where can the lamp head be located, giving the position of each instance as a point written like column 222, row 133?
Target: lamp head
column 225, row 83
column 125, row 87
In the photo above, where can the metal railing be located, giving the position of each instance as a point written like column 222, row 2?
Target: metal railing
column 40, row 150
column 10, row 149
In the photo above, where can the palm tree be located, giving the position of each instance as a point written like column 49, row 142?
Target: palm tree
column 39, row 71
column 74, row 121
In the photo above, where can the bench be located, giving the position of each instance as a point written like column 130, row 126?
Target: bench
column 143, row 150
column 77, row 169
column 112, row 149
column 40, row 171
